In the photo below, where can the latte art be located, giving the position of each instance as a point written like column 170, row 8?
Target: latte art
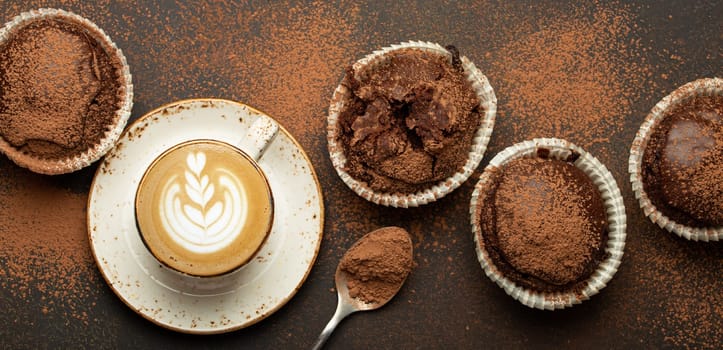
column 208, row 211
column 203, row 208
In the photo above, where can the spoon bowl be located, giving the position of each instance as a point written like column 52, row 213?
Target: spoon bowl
column 346, row 304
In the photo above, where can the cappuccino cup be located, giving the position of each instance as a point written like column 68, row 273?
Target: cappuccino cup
column 204, row 207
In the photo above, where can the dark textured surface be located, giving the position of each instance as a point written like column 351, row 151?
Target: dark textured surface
column 667, row 293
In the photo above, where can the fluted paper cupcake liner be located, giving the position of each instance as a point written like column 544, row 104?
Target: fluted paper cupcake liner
column 702, row 87
column 81, row 160
column 488, row 103
column 615, row 210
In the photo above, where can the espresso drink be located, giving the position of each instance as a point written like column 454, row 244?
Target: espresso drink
column 204, row 208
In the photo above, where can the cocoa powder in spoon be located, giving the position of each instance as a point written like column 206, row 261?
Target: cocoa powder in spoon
column 378, row 264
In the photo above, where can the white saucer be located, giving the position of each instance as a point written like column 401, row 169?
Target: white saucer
column 215, row 304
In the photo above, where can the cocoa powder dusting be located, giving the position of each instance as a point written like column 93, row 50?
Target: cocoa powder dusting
column 45, row 260
column 59, row 90
column 575, row 78
column 377, row 264
column 284, row 59
column 544, row 224
column 682, row 166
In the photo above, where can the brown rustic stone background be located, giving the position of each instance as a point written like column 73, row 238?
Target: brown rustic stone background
column 587, row 72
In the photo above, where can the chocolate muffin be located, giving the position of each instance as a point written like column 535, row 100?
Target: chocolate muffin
column 543, row 223
column 65, row 91
column 409, row 122
column 682, row 165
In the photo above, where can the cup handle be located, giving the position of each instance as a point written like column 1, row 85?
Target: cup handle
column 258, row 137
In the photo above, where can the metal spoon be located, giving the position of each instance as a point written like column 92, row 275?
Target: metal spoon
column 346, row 305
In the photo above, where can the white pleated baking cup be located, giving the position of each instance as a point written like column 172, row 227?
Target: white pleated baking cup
column 79, row 161
column 488, row 104
column 615, row 210
column 700, row 87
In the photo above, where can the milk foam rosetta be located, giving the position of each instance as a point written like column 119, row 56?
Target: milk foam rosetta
column 205, row 210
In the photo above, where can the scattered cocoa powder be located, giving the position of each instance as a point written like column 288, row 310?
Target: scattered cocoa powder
column 59, row 90
column 284, row 59
column 45, row 259
column 377, row 264
column 575, row 78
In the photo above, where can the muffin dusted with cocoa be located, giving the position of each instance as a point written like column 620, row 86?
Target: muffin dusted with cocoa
column 408, row 119
column 544, row 224
column 549, row 223
column 683, row 163
column 409, row 123
column 64, row 89
column 676, row 161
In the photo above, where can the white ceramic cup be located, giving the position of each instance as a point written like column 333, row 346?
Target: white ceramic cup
column 204, row 207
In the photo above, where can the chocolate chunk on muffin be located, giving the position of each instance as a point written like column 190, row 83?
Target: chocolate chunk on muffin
column 682, row 166
column 408, row 122
column 543, row 224
column 59, row 88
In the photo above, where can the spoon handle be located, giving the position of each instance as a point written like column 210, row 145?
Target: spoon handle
column 342, row 310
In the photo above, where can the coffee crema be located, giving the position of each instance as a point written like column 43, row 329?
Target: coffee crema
column 204, row 208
